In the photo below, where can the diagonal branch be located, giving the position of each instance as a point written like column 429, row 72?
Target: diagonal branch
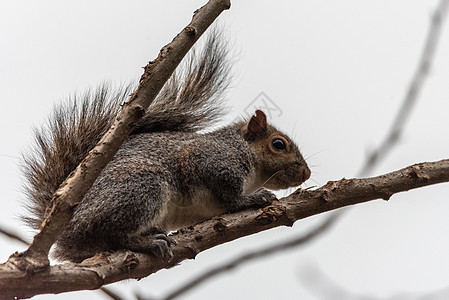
column 72, row 190
column 324, row 287
column 413, row 90
column 13, row 236
column 107, row 268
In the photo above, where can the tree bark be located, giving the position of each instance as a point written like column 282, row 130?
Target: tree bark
column 107, row 268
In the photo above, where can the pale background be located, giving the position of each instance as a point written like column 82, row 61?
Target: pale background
column 337, row 69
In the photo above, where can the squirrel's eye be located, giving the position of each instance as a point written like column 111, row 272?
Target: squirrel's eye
column 279, row 144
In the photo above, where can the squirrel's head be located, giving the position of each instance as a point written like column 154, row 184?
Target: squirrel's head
column 279, row 162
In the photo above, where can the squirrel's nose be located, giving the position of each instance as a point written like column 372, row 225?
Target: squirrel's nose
column 305, row 173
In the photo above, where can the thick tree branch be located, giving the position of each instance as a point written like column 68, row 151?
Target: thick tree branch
column 18, row 238
column 78, row 183
column 108, row 268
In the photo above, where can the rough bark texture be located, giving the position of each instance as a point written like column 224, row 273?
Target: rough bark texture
column 108, row 268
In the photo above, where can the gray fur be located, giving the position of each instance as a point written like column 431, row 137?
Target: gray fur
column 147, row 188
column 166, row 175
column 191, row 100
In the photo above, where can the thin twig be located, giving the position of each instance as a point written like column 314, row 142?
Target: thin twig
column 413, row 90
column 325, row 288
column 418, row 79
column 110, row 293
column 13, row 236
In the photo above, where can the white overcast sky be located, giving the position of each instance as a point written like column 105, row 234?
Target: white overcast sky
column 338, row 70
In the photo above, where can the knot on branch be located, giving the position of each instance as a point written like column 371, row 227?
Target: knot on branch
column 190, row 31
column 29, row 262
column 220, row 226
column 331, row 186
column 270, row 214
column 136, row 110
column 130, row 262
column 417, row 173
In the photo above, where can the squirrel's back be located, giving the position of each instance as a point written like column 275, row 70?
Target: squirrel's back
column 166, row 175
column 190, row 101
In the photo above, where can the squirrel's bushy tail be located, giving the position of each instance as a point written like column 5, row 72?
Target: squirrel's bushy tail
column 190, row 101
column 70, row 133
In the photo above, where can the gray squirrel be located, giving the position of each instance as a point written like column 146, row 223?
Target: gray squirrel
column 170, row 172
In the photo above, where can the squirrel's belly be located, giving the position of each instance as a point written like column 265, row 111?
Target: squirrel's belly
column 179, row 211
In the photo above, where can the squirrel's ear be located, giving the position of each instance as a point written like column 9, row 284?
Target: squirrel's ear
column 257, row 125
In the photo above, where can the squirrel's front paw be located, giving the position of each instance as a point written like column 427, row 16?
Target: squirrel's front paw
column 260, row 198
column 264, row 197
column 157, row 243
column 160, row 244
